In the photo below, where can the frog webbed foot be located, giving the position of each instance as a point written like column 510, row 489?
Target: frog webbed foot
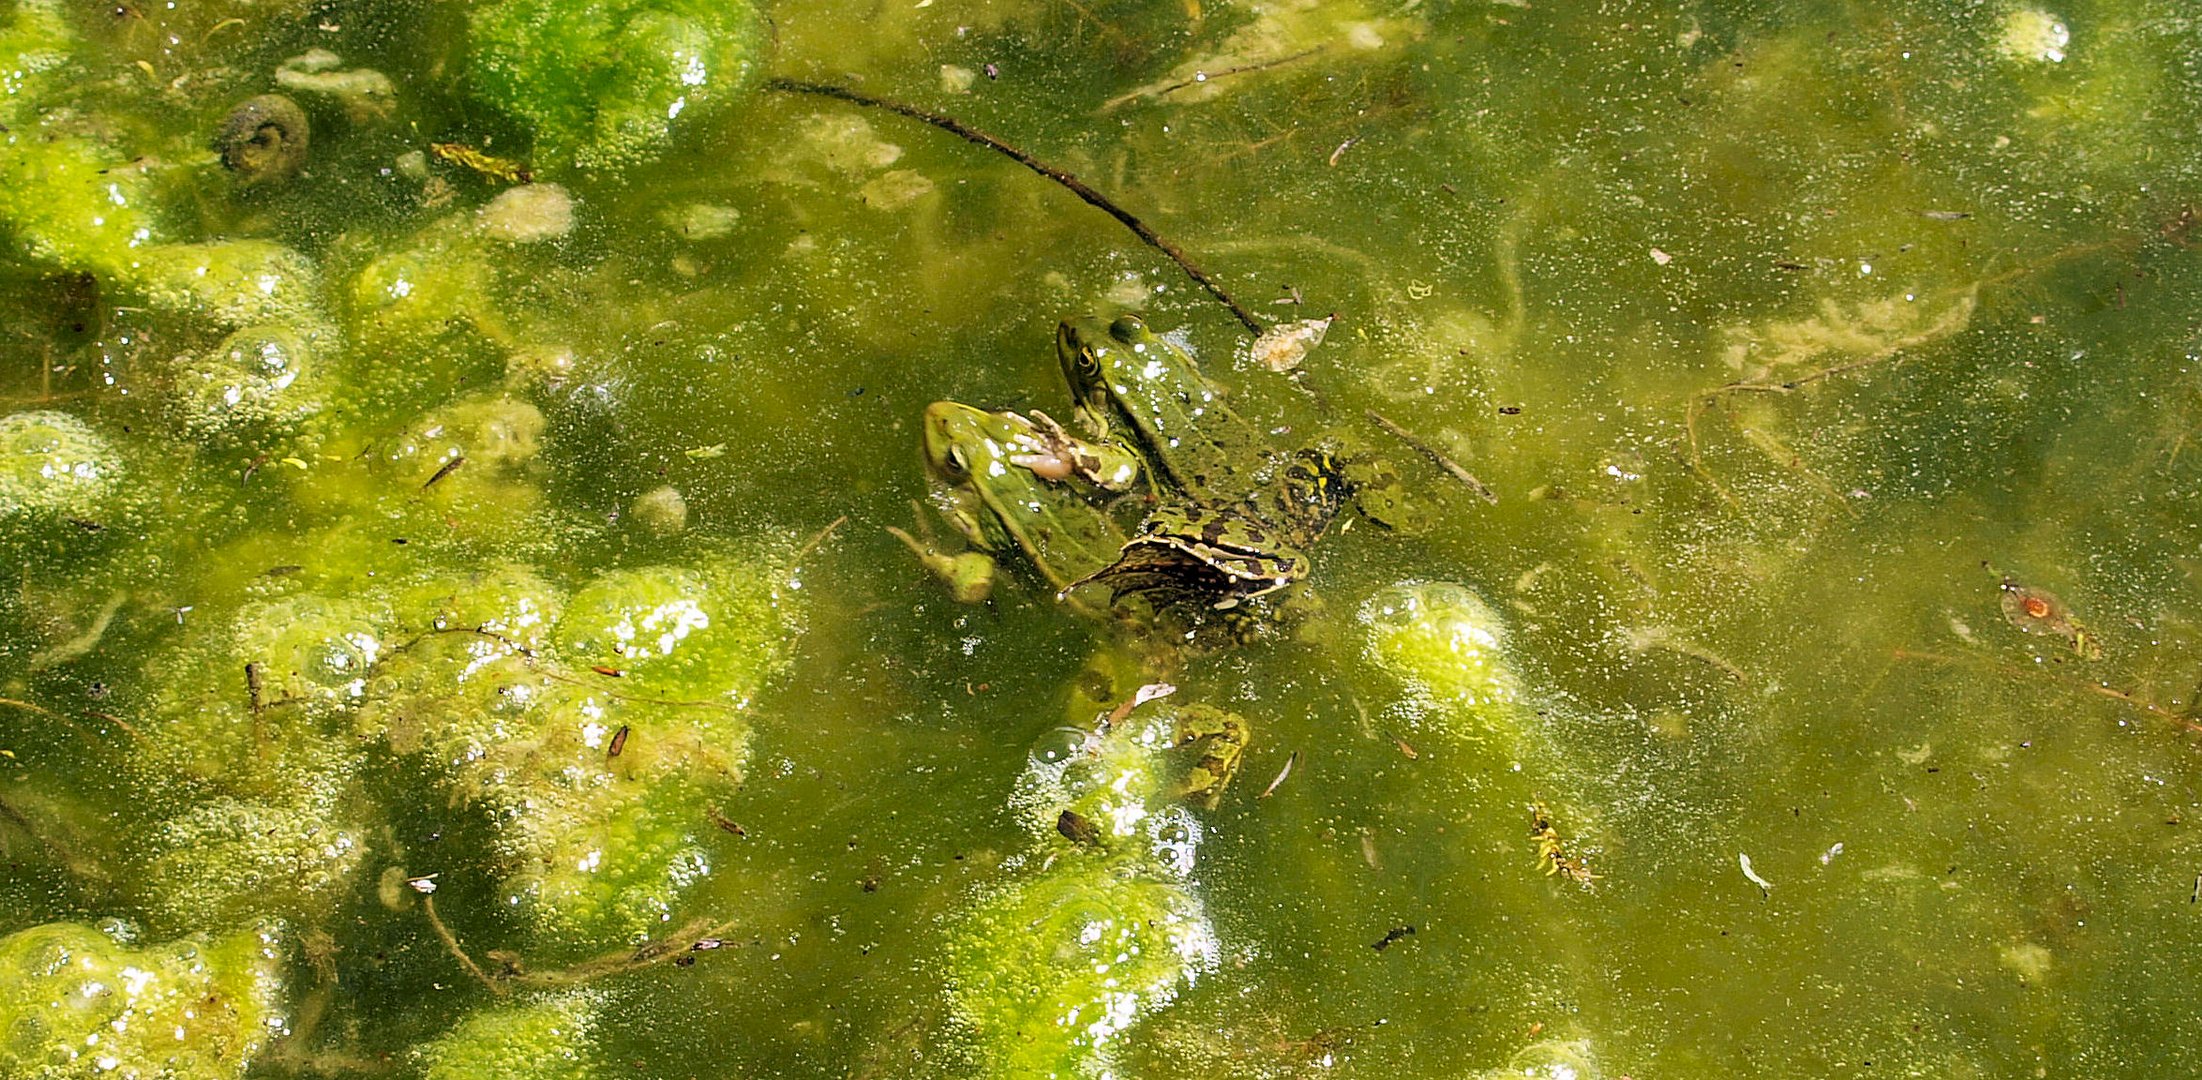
column 1382, row 497
column 969, row 574
column 1053, row 454
column 1209, row 743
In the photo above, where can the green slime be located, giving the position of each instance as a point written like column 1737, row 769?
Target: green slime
column 1785, row 334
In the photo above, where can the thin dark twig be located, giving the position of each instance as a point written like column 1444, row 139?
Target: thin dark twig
column 2186, row 722
column 1451, row 467
column 73, row 725
column 1073, row 184
column 30, row 708
column 818, row 538
column 698, row 936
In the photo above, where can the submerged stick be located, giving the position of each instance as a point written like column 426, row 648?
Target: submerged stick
column 700, row 935
column 818, row 538
column 1074, row 185
column 2186, row 722
column 1451, row 467
column 452, row 946
column 1201, row 78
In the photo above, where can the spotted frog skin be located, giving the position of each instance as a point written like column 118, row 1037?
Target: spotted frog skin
column 1236, row 514
column 1209, row 743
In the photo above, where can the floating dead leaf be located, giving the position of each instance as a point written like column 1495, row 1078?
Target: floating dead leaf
column 1141, row 696
column 1282, row 347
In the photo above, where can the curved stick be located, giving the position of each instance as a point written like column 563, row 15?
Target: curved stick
column 1073, row 184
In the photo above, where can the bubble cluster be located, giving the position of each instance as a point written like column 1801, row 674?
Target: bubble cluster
column 550, row 1038
column 53, row 464
column 75, row 1002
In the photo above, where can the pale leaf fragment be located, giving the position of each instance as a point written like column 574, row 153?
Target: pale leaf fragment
column 1284, row 346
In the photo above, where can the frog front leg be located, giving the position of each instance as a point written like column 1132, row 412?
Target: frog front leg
column 969, row 574
column 1053, row 454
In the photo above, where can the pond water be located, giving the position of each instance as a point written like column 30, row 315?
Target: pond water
column 454, row 628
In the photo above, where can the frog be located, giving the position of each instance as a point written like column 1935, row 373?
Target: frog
column 1122, row 374
column 1194, row 767
column 1097, row 780
column 1004, row 480
column 1224, row 518
column 1115, row 695
column 1239, row 513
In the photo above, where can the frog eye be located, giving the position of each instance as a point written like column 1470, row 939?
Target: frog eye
column 1089, row 365
column 1081, row 364
column 1126, row 328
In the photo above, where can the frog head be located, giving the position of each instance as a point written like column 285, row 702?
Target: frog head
column 1121, row 373
column 1004, row 480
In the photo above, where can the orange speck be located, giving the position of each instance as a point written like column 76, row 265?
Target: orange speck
column 2037, row 607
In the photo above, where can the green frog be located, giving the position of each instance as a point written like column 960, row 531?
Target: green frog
column 1198, row 746
column 1002, row 480
column 1139, row 750
column 1227, row 518
column 1238, row 515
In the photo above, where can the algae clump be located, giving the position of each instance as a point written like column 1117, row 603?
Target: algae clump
column 230, row 862
column 692, row 632
column 1096, row 928
column 604, row 83
column 1449, row 648
column 545, row 1039
column 263, row 379
column 594, row 730
column 75, row 1002
column 51, row 464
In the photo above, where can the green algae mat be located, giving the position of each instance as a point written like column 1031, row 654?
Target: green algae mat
column 1100, row 538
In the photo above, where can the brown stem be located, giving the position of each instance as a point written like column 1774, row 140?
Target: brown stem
column 699, row 935
column 2185, row 721
column 458, row 952
column 1206, row 77
column 1073, row 184
column 818, row 538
